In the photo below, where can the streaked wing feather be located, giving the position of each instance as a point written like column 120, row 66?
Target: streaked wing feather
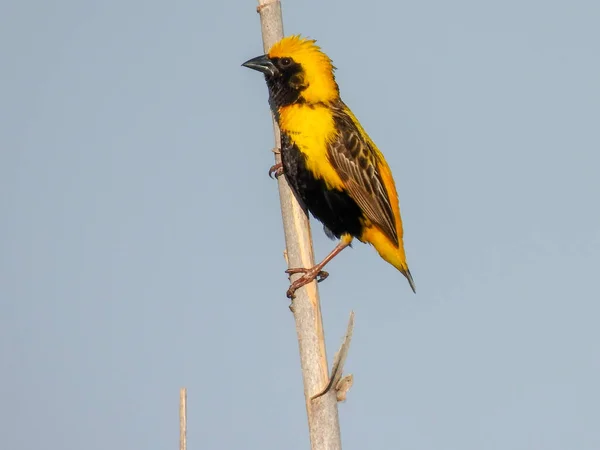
column 356, row 162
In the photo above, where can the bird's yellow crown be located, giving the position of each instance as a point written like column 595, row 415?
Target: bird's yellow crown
column 316, row 65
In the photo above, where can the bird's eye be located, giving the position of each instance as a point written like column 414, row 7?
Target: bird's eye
column 285, row 62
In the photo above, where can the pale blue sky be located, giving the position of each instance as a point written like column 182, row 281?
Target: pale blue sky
column 142, row 244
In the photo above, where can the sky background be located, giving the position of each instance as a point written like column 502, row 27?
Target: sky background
column 141, row 241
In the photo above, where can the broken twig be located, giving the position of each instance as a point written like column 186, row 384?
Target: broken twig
column 338, row 365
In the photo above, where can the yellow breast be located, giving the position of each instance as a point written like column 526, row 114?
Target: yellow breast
column 311, row 129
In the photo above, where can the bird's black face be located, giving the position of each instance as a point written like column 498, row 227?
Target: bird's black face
column 285, row 79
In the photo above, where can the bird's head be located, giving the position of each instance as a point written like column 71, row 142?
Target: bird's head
column 297, row 71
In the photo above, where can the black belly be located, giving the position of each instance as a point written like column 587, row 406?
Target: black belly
column 334, row 208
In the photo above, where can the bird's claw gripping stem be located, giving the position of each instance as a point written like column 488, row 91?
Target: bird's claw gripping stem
column 314, row 273
column 276, row 169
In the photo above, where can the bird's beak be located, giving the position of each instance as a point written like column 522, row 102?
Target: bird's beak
column 262, row 64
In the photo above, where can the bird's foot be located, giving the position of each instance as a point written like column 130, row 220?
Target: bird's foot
column 314, row 273
column 276, row 169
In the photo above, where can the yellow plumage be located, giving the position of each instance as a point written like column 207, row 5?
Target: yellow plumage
column 328, row 158
column 316, row 64
column 312, row 129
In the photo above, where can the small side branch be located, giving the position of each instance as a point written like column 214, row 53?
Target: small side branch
column 342, row 385
column 182, row 419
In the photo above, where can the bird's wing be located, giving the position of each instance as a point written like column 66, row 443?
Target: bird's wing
column 356, row 162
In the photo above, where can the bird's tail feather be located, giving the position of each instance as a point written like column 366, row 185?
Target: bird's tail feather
column 409, row 277
column 392, row 253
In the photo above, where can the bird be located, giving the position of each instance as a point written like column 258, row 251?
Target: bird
column 327, row 158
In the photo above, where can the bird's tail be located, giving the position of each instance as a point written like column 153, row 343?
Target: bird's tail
column 409, row 277
column 388, row 251
column 400, row 264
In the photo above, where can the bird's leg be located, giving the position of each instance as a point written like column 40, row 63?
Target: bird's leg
column 276, row 169
column 315, row 272
column 319, row 276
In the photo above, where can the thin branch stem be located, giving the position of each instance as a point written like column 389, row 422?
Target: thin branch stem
column 322, row 413
column 182, row 419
